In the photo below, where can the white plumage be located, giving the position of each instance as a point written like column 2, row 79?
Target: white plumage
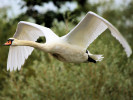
column 90, row 28
column 26, row 31
column 69, row 48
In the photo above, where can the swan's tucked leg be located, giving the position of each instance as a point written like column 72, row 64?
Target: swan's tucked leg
column 91, row 60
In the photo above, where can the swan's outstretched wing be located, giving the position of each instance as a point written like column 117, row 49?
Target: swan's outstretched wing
column 90, row 28
column 26, row 31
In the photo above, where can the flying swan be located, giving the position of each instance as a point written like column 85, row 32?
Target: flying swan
column 71, row 47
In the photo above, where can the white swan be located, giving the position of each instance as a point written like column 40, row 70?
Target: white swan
column 69, row 48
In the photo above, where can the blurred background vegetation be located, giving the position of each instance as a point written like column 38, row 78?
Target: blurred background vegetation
column 44, row 78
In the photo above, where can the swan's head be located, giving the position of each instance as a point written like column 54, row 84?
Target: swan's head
column 10, row 41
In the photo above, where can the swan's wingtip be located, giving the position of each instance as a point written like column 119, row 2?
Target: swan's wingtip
column 128, row 51
column 129, row 54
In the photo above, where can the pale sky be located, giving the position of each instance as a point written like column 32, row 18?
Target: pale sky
column 16, row 4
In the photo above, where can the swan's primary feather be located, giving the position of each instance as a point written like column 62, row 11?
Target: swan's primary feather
column 26, row 31
column 90, row 28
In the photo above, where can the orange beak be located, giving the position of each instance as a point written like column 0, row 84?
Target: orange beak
column 8, row 43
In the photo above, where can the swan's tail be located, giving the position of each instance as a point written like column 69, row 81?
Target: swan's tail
column 97, row 57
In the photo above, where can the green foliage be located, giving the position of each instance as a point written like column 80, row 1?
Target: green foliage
column 43, row 77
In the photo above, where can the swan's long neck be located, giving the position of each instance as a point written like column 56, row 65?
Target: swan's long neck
column 40, row 46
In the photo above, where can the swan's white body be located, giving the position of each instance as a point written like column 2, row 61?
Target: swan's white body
column 69, row 48
column 67, row 53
